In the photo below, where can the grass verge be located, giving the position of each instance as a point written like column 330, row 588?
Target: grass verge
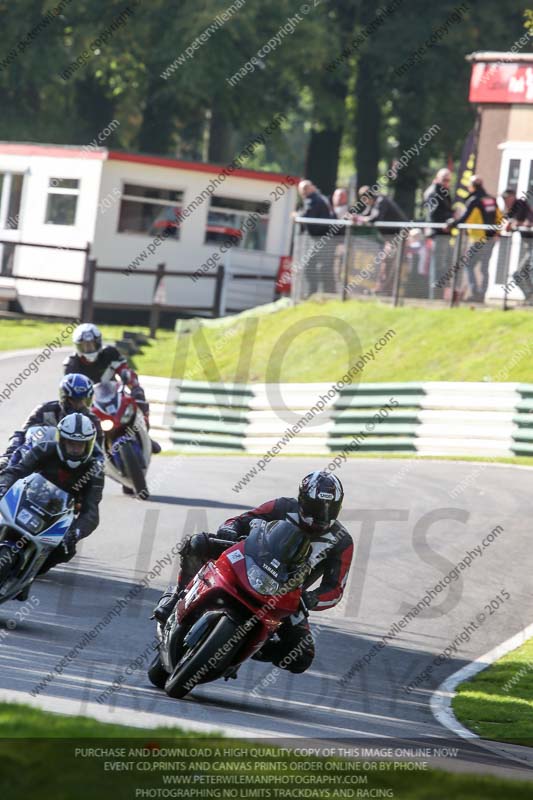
column 498, row 702
column 51, row 752
column 525, row 461
column 19, row 334
column 310, row 342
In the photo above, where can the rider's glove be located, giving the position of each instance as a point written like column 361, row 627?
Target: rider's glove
column 227, row 532
column 70, row 541
column 310, row 599
column 126, row 377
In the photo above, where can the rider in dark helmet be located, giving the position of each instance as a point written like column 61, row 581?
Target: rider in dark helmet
column 315, row 512
column 75, row 394
column 104, row 363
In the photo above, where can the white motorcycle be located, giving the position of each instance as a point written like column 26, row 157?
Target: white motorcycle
column 35, row 516
column 127, row 445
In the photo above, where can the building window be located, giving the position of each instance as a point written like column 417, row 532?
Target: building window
column 150, row 211
column 10, row 197
column 512, row 174
column 238, row 223
column 62, row 203
column 7, row 259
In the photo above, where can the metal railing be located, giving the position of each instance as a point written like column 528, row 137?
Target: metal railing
column 412, row 260
column 85, row 306
column 7, row 258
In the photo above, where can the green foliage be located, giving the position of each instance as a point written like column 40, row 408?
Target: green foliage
column 122, row 79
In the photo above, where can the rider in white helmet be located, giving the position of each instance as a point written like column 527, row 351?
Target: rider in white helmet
column 102, row 363
column 70, row 463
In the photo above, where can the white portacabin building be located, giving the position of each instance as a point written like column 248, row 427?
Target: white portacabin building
column 127, row 208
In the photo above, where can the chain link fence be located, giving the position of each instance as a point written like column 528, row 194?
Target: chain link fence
column 413, row 260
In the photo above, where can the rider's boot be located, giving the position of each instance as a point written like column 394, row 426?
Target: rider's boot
column 268, row 652
column 167, row 604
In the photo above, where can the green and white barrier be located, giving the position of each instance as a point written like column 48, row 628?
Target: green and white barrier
column 523, row 421
column 430, row 418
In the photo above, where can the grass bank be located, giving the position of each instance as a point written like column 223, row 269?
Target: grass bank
column 53, row 753
column 498, row 702
column 319, row 341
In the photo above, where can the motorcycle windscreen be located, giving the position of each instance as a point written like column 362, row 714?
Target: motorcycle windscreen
column 41, row 504
column 107, row 397
column 280, row 549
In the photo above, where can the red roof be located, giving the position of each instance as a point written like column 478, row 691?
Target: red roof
column 50, row 150
column 103, row 154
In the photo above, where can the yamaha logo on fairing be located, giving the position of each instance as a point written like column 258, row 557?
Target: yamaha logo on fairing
column 270, row 570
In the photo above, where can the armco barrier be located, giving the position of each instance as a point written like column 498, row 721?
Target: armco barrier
column 433, row 418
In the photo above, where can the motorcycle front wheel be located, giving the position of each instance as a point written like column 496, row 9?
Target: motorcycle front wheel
column 134, row 469
column 193, row 668
column 157, row 673
column 7, row 562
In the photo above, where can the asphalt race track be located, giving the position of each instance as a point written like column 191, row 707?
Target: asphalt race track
column 409, row 534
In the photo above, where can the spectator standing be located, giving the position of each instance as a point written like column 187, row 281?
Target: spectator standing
column 519, row 214
column 339, row 202
column 481, row 209
column 380, row 208
column 438, row 209
column 316, row 268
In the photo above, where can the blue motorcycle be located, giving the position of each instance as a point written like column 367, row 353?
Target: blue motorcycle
column 35, row 516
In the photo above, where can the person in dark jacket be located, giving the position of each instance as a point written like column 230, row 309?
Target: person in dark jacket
column 103, row 363
column 438, row 208
column 318, row 266
column 437, row 200
column 70, row 464
column 480, row 209
column 380, row 208
column 75, row 394
column 520, row 215
column 315, row 512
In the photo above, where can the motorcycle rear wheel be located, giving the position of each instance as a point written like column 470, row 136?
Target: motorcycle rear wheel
column 192, row 664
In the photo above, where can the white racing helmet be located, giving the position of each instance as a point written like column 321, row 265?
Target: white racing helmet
column 88, row 341
column 75, row 439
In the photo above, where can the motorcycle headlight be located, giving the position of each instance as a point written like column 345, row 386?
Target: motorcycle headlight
column 261, row 581
column 127, row 415
column 107, row 425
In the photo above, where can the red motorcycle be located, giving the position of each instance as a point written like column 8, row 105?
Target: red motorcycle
column 231, row 607
column 127, row 444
